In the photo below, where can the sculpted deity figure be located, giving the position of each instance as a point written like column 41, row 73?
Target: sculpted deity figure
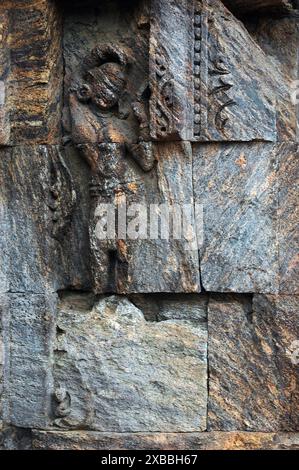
column 102, row 111
column 109, row 126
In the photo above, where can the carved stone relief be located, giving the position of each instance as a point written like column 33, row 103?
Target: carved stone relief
column 121, row 99
column 154, row 337
column 106, row 77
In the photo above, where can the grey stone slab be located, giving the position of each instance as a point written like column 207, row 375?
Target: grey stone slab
column 28, row 334
column 235, row 101
column 237, row 186
column 201, row 89
column 114, row 371
column 253, row 363
column 142, row 262
column 288, row 213
column 270, row 34
column 44, row 219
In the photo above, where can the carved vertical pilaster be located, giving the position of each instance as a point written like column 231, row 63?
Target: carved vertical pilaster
column 200, row 67
column 171, row 70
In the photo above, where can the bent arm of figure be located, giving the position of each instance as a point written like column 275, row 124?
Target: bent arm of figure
column 83, row 126
column 90, row 153
column 143, row 154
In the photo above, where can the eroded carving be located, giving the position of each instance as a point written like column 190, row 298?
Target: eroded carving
column 197, row 67
column 104, row 73
column 142, row 152
column 99, row 99
column 219, row 91
column 62, row 403
column 162, row 101
column 98, row 96
column 212, row 78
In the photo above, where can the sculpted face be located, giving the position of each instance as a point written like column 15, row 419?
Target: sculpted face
column 103, row 85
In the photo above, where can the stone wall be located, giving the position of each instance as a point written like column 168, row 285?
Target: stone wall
column 146, row 342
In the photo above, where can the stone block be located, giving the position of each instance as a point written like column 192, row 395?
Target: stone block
column 114, row 371
column 33, row 73
column 28, row 333
column 142, row 261
column 82, row 440
column 288, row 217
column 253, row 363
column 44, row 229
column 237, row 186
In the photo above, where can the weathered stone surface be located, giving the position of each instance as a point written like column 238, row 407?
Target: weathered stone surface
column 28, row 332
column 140, row 83
column 171, row 85
column 254, row 385
column 230, row 108
column 259, row 6
column 116, row 372
column 219, row 92
column 1, row 369
column 4, row 65
column 106, row 80
column 162, row 307
column 4, row 265
column 288, row 212
column 236, row 184
column 82, row 440
column 249, row 195
column 32, row 80
column 12, row 438
column 271, row 34
column 44, row 220
column 142, row 262
column 193, row 89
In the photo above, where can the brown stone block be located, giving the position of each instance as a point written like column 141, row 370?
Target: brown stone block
column 82, row 440
column 34, row 74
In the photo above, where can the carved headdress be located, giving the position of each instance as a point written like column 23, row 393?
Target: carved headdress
column 104, row 75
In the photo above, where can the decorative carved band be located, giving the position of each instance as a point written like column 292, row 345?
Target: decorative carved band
column 162, row 102
column 200, row 67
column 211, row 97
column 219, row 90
